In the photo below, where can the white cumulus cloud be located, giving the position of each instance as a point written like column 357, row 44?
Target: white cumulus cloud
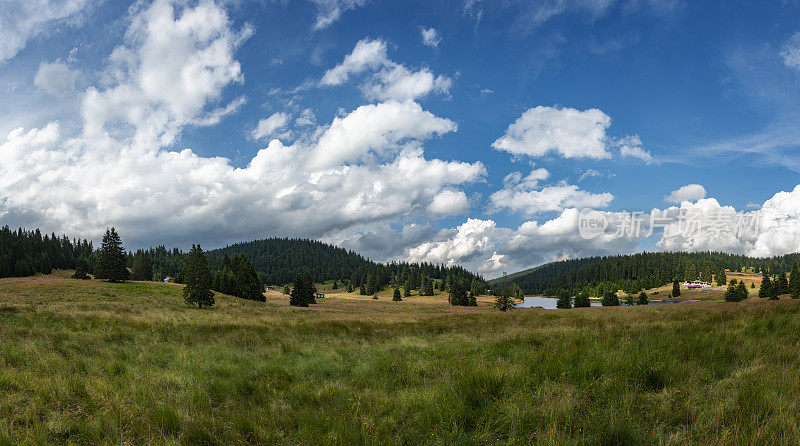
column 388, row 80
column 269, row 126
column 569, row 132
column 525, row 195
column 430, row 37
column 690, row 192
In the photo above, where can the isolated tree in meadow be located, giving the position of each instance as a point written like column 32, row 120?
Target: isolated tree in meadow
column 458, row 294
column 303, row 291
column 111, row 264
column 564, row 301
column 610, row 299
column 722, row 279
column 642, row 299
column 741, row 291
column 794, row 281
column 396, row 295
column 197, row 277
column 286, row 290
column 676, row 288
column 582, row 300
column 766, row 286
column 505, row 297
column 142, row 266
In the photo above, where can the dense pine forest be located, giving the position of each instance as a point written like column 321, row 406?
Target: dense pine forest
column 635, row 272
column 25, row 253
column 278, row 260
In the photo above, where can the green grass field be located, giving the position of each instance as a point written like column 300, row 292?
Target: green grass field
column 94, row 362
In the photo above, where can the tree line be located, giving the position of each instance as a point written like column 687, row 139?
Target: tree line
column 632, row 273
column 25, row 253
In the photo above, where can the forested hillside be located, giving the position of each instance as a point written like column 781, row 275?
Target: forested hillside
column 278, row 260
column 637, row 271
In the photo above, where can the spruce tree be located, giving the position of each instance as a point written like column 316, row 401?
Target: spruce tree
column 741, row 291
column 505, row 298
column 721, row 278
column 302, row 292
column 766, row 286
column 472, row 301
column 80, row 270
column 197, row 277
column 582, row 300
column 396, row 296
column 794, row 281
column 111, row 264
column 731, row 294
column 564, row 301
column 407, row 288
column 642, row 299
column 247, row 285
column 781, row 284
column 610, row 299
column 458, row 294
column 286, row 289
column 676, row 288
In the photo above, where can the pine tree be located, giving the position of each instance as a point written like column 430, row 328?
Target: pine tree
column 721, row 278
column 610, row 299
column 794, row 281
column 197, row 277
column 731, row 295
column 741, row 291
column 505, row 298
column 303, row 291
column 396, row 296
column 564, row 302
column 112, row 260
column 363, row 289
column 676, row 288
column 781, row 284
column 80, row 270
column 582, row 300
column 766, row 286
column 286, row 289
column 407, row 288
column 247, row 285
column 458, row 294
column 472, row 300
column 642, row 299
column 142, row 266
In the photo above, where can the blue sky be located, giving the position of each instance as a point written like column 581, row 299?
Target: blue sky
column 460, row 131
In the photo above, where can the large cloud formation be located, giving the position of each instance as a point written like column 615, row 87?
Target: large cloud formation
column 366, row 167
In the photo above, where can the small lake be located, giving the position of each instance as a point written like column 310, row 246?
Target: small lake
column 549, row 303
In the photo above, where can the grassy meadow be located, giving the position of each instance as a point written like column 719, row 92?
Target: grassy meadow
column 94, row 362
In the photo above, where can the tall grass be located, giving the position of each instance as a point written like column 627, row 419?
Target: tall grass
column 91, row 362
